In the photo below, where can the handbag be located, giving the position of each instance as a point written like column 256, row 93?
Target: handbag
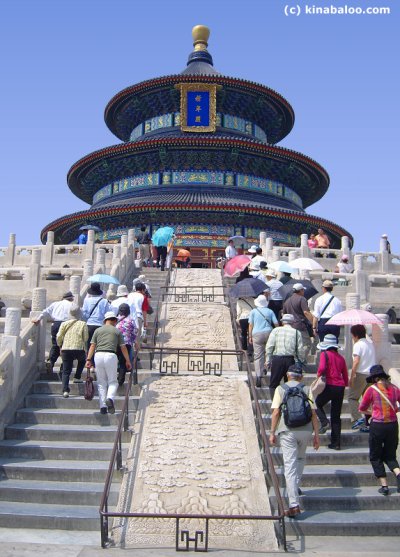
column 89, row 387
column 319, row 383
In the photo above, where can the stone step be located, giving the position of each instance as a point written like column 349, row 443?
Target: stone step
column 56, row 450
column 345, row 418
column 76, row 389
column 52, row 517
column 346, row 499
column 346, row 456
column 79, row 416
column 53, row 432
column 56, row 493
column 335, row 523
column 336, row 475
column 54, row 470
column 73, row 402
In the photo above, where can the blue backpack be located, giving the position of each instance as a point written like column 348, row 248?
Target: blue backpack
column 296, row 407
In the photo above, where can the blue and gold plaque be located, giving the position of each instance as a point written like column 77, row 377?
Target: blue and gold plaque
column 198, row 107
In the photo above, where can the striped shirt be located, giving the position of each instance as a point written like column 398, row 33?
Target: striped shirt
column 282, row 342
column 73, row 335
column 381, row 409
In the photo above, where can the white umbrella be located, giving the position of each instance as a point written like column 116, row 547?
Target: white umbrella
column 306, row 264
column 281, row 266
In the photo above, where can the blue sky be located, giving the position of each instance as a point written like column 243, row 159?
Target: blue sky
column 62, row 61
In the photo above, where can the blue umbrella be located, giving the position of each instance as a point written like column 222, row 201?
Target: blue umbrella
column 104, row 279
column 247, row 288
column 281, row 266
column 162, row 236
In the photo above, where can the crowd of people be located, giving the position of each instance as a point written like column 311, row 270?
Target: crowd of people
column 278, row 332
column 101, row 334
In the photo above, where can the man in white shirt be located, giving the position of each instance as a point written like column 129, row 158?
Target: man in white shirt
column 344, row 266
column 122, row 298
column 364, row 358
column 275, row 299
column 256, row 262
column 230, row 250
column 57, row 312
column 325, row 307
column 135, row 301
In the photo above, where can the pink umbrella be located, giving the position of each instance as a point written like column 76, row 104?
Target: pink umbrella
column 354, row 317
column 236, row 265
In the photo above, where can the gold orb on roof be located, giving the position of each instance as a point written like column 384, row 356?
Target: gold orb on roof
column 200, row 34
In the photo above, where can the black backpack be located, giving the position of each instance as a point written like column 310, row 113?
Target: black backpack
column 296, row 407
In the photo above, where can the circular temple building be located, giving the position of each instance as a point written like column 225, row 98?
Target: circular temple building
column 198, row 153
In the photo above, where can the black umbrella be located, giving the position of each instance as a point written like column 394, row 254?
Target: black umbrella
column 287, row 289
column 90, row 227
column 247, row 288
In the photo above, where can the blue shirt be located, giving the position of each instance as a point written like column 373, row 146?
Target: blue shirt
column 97, row 316
column 263, row 320
column 82, row 238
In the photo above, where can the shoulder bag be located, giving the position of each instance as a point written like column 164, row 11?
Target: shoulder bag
column 319, row 383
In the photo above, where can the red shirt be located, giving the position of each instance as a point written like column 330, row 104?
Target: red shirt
column 145, row 305
column 336, row 371
column 381, row 409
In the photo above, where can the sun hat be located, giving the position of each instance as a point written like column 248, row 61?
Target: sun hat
column 376, row 371
column 67, row 295
column 327, row 284
column 384, row 235
column 252, row 249
column 261, row 301
column 298, row 286
column 122, row 290
column 94, row 289
column 109, row 315
column 329, row 341
column 270, row 273
column 287, row 318
column 75, row 311
column 295, row 369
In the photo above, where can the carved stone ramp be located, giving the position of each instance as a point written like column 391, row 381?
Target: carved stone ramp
column 198, row 454
column 195, row 448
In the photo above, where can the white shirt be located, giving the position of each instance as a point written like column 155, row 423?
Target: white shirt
column 58, row 311
column 230, row 252
column 259, row 275
column 365, row 350
column 274, row 285
column 334, row 307
column 135, row 301
column 255, row 262
column 345, row 267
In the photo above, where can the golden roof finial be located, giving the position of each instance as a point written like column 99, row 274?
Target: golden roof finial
column 200, row 34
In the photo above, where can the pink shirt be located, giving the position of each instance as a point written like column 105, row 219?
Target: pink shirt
column 336, row 370
column 312, row 243
column 381, row 409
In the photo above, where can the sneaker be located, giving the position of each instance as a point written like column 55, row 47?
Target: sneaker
column 258, row 381
column 334, row 447
column 384, row 490
column 324, row 428
column 103, row 410
column 110, row 406
column 358, row 423
column 364, row 429
column 65, row 394
column 77, row 380
column 293, row 511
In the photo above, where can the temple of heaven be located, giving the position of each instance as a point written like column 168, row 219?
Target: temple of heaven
column 198, row 153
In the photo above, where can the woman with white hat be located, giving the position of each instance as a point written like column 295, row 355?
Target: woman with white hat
column 333, row 366
column 261, row 322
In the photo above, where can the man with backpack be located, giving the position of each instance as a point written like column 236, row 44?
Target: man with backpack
column 293, row 419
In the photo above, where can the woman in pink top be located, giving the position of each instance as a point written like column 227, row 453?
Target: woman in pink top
column 312, row 242
column 382, row 400
column 333, row 366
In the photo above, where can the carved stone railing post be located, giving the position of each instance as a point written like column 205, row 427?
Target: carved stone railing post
column 352, row 302
column 345, row 246
column 131, row 248
column 380, row 337
column 276, row 254
column 89, row 247
column 292, row 256
column 361, row 281
column 10, row 254
column 34, row 269
column 88, row 269
column 11, row 340
column 75, row 288
column 304, row 249
column 48, row 250
column 124, row 255
column 263, row 239
column 100, row 266
column 269, row 247
column 38, row 305
column 384, row 256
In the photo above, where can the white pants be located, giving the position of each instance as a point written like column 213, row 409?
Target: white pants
column 106, row 364
column 294, row 444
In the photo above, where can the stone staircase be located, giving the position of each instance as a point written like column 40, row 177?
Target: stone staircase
column 55, row 457
column 340, row 492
